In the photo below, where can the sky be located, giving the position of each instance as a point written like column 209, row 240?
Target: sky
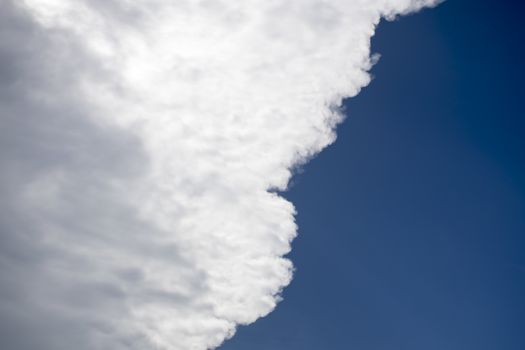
column 412, row 224
column 159, row 159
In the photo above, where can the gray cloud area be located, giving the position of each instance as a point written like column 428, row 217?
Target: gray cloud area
column 61, row 186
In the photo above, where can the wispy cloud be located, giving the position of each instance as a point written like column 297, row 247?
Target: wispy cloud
column 139, row 141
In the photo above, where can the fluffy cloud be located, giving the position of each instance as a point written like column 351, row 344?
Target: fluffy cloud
column 139, row 144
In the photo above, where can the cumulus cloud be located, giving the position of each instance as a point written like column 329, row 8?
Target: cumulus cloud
column 140, row 144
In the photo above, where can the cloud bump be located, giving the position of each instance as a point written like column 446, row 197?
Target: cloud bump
column 140, row 144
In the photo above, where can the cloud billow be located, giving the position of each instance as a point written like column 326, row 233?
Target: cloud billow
column 141, row 142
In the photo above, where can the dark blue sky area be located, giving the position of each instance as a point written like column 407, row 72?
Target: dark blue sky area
column 412, row 225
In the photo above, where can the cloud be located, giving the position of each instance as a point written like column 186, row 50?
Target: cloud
column 140, row 142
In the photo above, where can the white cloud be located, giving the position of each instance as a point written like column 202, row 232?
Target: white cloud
column 139, row 141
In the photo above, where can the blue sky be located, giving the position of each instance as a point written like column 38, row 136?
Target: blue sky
column 411, row 226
